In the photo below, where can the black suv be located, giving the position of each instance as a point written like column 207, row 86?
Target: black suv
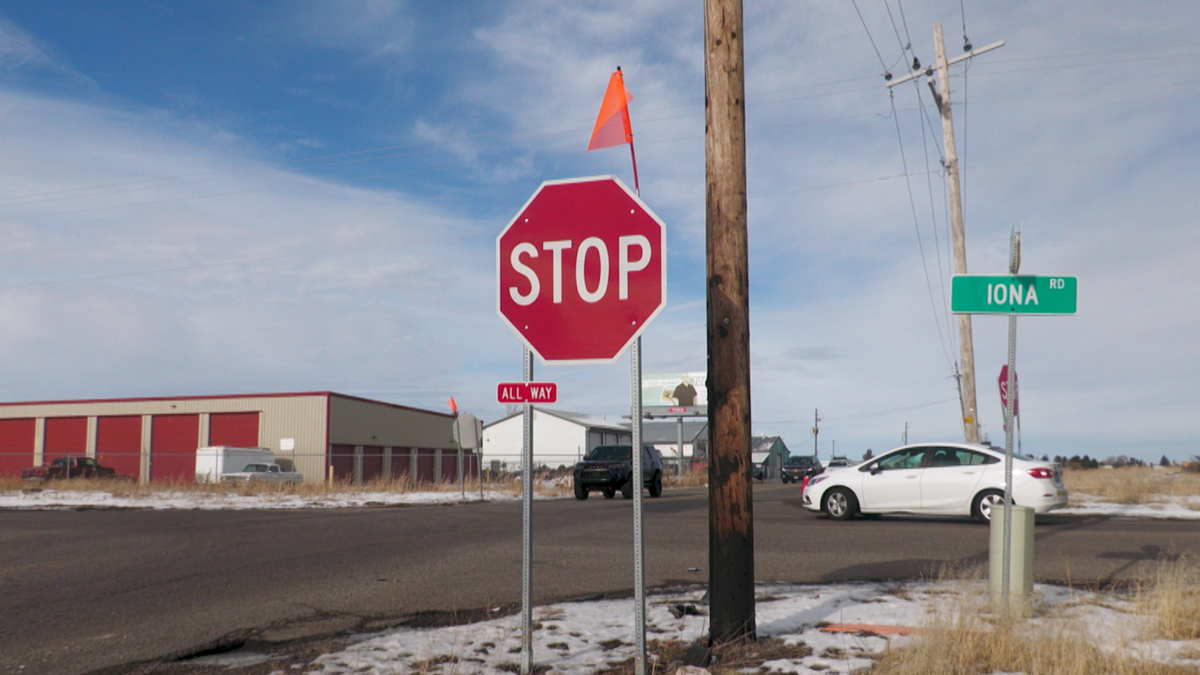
column 799, row 466
column 609, row 468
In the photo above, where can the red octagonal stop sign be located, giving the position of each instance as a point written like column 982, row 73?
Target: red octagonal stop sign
column 582, row 270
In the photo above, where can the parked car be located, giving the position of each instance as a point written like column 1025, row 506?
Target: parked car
column 609, row 468
column 68, row 467
column 838, row 461
column 935, row 478
column 262, row 472
column 758, row 471
column 797, row 467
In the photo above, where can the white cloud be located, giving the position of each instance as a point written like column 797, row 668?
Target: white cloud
column 376, row 29
column 1081, row 130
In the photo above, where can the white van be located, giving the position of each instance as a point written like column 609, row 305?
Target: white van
column 216, row 460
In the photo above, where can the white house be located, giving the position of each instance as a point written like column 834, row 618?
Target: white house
column 559, row 438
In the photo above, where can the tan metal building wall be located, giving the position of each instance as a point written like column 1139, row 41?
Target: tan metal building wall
column 299, row 428
column 356, row 421
column 303, row 418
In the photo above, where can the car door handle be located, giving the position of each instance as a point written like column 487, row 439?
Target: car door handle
column 969, row 473
column 911, row 477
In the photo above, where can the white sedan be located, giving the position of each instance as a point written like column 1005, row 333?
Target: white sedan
column 936, row 479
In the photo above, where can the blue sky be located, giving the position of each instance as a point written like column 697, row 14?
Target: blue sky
column 208, row 198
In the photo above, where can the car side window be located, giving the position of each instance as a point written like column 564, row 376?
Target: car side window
column 905, row 459
column 976, row 458
column 943, row 457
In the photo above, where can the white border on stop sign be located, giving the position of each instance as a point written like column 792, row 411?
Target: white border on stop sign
column 663, row 243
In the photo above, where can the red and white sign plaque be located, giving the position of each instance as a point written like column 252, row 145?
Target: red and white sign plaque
column 527, row 392
column 1004, row 391
column 581, row 270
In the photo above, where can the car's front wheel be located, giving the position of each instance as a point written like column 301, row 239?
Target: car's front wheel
column 627, row 489
column 840, row 504
column 581, row 492
column 610, row 492
column 985, row 501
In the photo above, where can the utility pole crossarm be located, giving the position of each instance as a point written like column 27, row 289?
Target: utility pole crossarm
column 958, row 59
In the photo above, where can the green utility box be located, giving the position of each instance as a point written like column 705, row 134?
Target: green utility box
column 1020, row 575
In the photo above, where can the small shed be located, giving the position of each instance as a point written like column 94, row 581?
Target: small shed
column 769, row 452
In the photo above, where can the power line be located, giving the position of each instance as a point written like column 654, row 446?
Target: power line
column 917, row 227
column 868, row 31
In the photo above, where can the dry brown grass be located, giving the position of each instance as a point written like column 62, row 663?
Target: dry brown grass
column 962, row 638
column 1132, row 485
column 688, row 479
column 967, row 645
column 393, row 485
column 1172, row 600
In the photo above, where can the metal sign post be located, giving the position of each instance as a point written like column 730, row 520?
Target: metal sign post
column 639, row 543
column 1012, row 295
column 1014, row 264
column 526, row 527
column 616, row 247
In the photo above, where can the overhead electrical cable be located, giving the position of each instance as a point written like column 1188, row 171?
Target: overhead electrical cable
column 921, row 121
column 868, row 31
column 917, row 227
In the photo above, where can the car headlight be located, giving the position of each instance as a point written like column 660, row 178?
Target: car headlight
column 816, row 479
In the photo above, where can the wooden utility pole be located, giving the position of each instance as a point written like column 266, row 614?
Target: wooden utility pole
column 816, row 431
column 965, row 340
column 730, row 491
column 941, row 96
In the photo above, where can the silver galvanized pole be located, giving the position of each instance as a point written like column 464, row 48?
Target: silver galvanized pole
column 1008, row 459
column 679, row 429
column 526, row 525
column 1014, row 265
column 639, row 547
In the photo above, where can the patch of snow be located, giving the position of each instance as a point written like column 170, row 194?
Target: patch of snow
column 1180, row 507
column 184, row 500
column 584, row 637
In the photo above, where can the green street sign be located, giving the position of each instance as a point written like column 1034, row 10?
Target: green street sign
column 1012, row 294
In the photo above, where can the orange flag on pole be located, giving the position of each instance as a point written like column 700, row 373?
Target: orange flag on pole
column 452, row 405
column 612, row 124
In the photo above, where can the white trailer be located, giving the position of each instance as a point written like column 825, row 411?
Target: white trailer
column 214, row 461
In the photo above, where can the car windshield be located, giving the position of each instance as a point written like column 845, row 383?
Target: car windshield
column 799, row 461
column 608, row 453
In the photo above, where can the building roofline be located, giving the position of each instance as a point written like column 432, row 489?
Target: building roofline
column 390, row 405
column 213, row 397
column 566, row 417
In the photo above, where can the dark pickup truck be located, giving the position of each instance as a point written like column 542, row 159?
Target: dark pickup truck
column 68, row 467
column 609, row 468
column 798, row 466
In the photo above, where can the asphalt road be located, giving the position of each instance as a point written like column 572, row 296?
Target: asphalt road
column 92, row 589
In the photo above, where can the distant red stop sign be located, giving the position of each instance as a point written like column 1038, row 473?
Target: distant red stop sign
column 582, row 270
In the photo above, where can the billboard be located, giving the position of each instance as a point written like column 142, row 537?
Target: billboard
column 675, row 390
